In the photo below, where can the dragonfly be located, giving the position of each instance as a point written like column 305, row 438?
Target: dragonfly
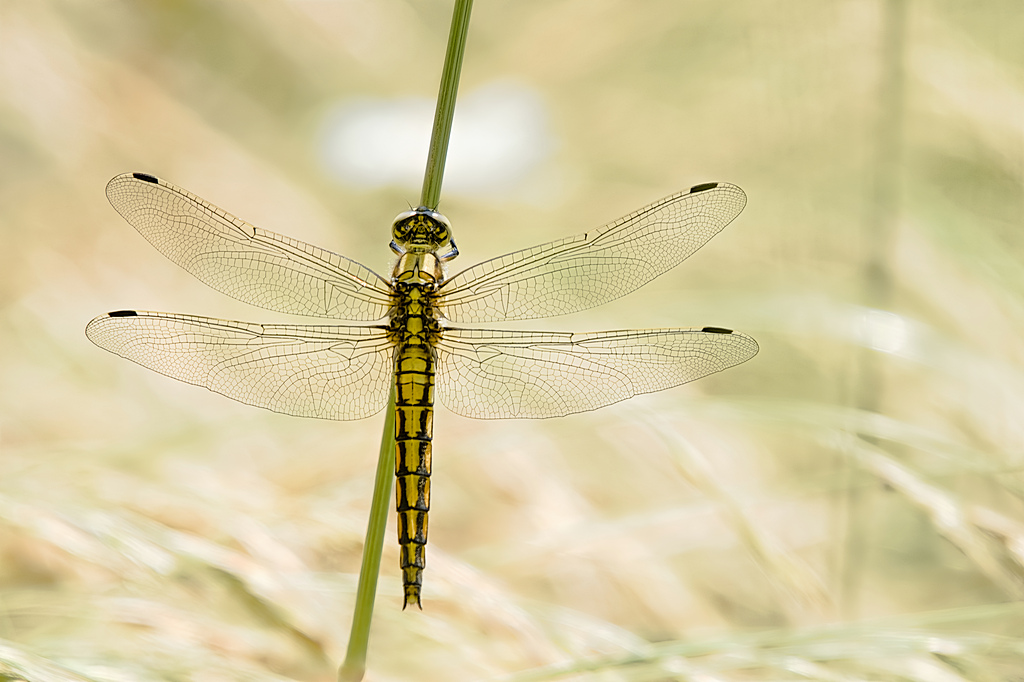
column 409, row 341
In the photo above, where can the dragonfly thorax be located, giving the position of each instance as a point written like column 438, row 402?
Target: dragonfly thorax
column 421, row 230
column 417, row 268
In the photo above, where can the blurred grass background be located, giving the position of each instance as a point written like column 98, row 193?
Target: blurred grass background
column 847, row 506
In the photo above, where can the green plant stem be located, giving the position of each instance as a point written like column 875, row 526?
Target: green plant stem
column 354, row 667
column 445, row 113
column 355, row 658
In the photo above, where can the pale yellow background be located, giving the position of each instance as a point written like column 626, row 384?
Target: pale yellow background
column 863, row 466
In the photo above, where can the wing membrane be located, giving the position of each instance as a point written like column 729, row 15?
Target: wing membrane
column 246, row 262
column 589, row 269
column 489, row 374
column 329, row 372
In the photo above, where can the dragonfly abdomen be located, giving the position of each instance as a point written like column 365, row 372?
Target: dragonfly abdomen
column 415, row 331
column 414, row 421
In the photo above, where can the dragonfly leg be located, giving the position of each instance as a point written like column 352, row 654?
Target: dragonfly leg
column 451, row 254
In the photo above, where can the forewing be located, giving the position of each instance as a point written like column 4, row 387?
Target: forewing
column 593, row 268
column 243, row 261
column 490, row 374
column 328, row 372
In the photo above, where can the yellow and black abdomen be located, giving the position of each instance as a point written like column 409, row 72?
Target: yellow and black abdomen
column 414, row 417
column 415, row 331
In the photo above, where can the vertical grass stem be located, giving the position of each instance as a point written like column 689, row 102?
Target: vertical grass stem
column 882, row 221
column 354, row 667
column 359, row 638
column 445, row 113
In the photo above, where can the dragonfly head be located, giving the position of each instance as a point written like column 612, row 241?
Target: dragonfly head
column 421, row 230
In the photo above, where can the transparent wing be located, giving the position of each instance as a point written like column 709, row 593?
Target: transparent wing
column 589, row 269
column 246, row 262
column 490, row 374
column 329, row 372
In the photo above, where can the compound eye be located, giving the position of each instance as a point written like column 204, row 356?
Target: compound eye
column 441, row 220
column 400, row 228
column 440, row 228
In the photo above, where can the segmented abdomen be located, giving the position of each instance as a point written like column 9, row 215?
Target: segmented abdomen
column 414, row 421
